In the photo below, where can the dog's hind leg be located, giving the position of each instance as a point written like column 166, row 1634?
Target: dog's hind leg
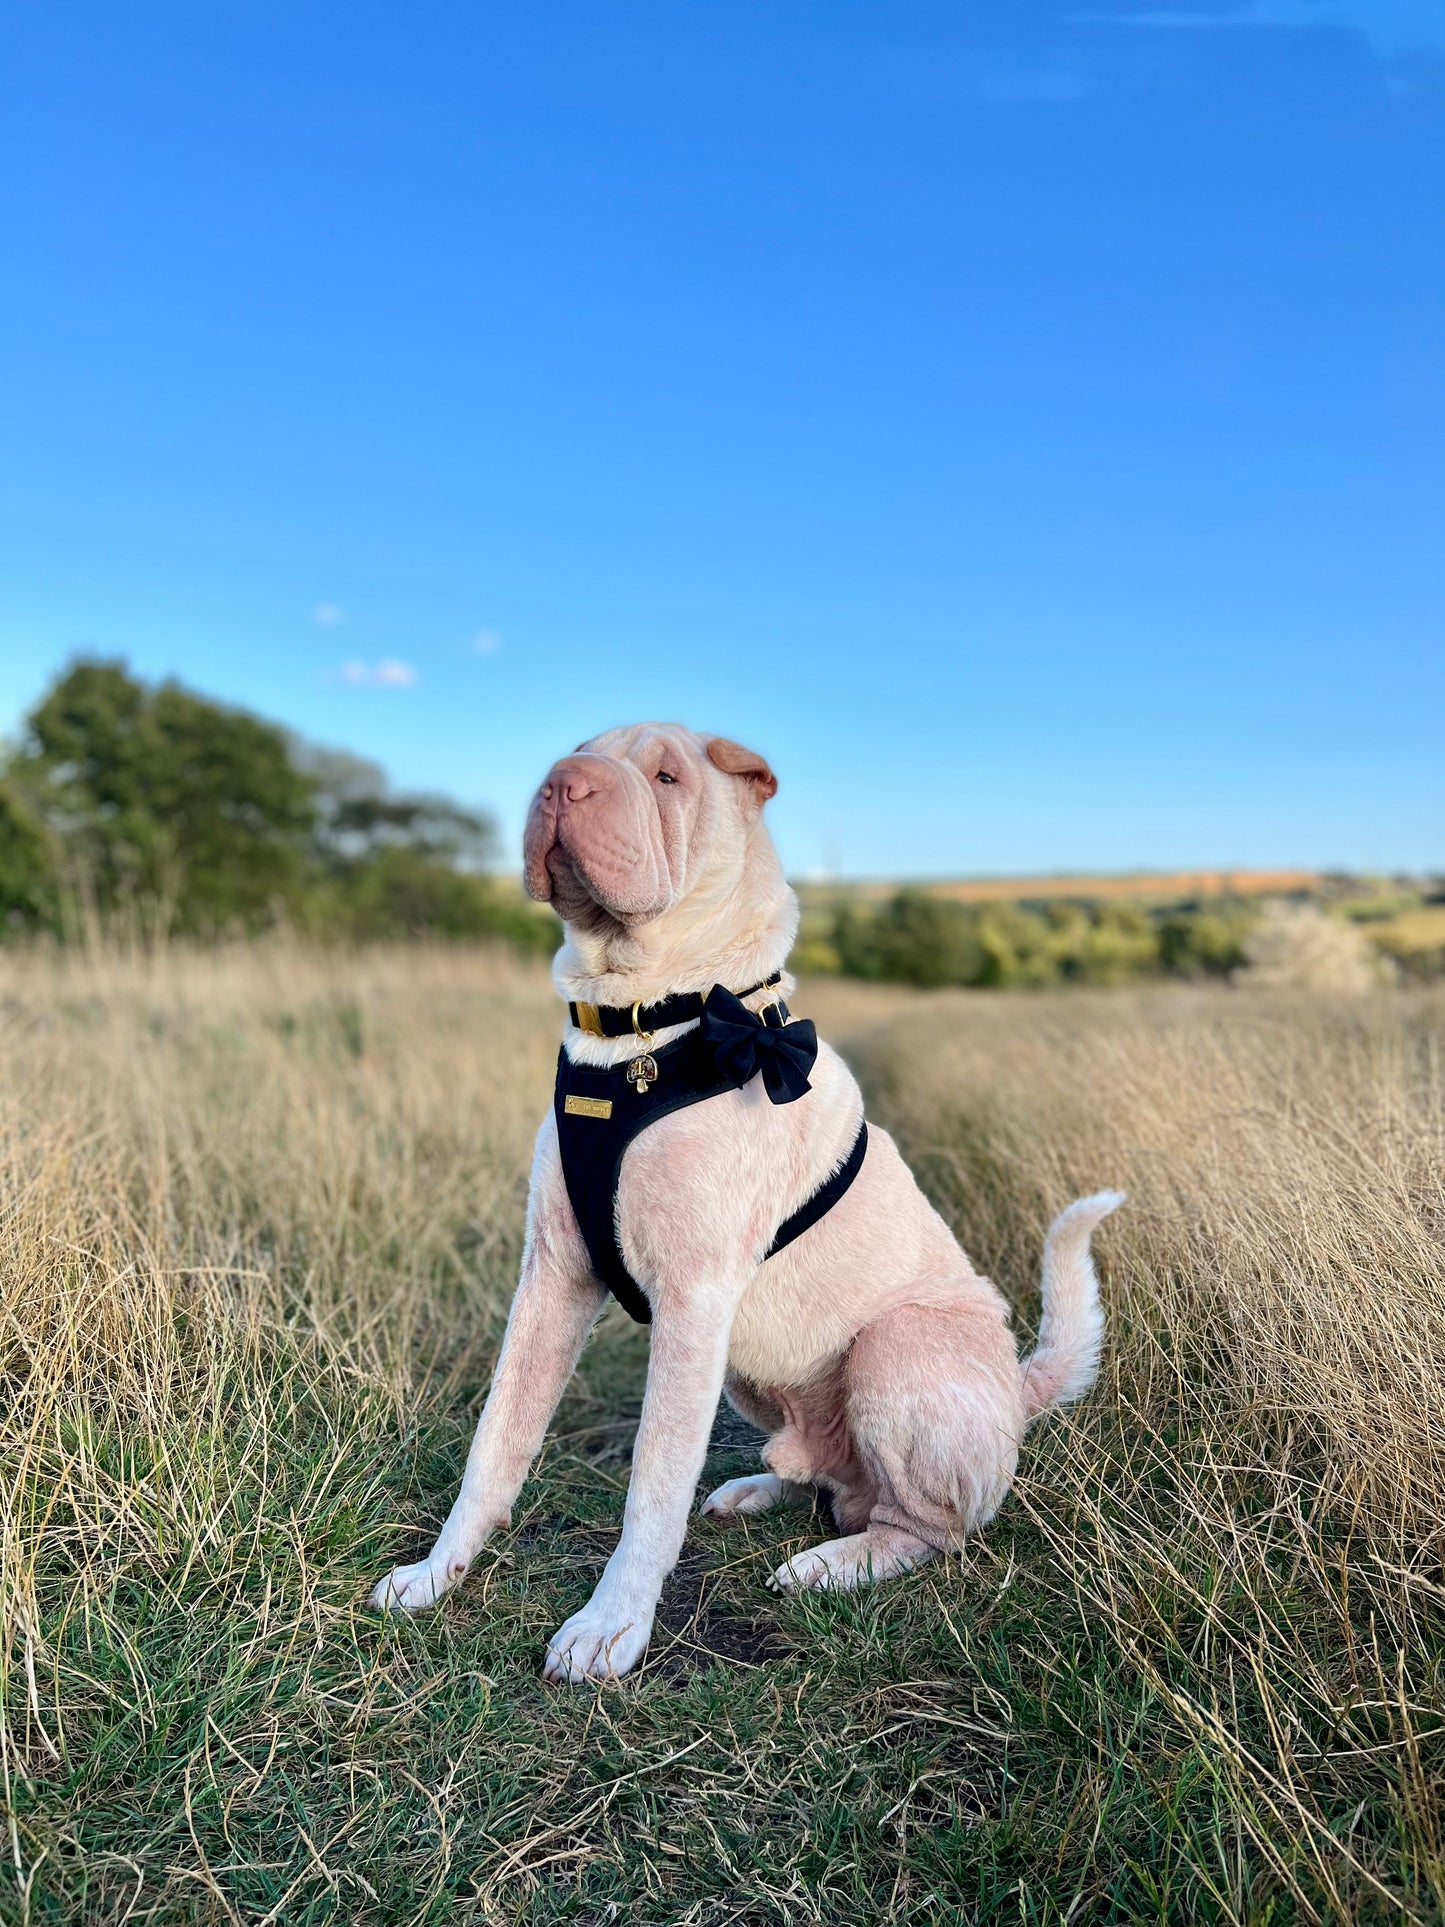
column 934, row 1413
column 756, row 1491
column 809, row 1450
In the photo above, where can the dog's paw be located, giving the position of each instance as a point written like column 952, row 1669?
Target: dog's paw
column 805, row 1572
column 862, row 1559
column 600, row 1642
column 413, row 1589
column 759, row 1492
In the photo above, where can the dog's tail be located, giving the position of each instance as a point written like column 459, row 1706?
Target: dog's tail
column 1066, row 1362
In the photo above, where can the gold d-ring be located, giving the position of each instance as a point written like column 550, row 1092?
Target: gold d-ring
column 644, row 1036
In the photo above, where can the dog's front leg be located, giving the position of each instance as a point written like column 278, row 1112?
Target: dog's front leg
column 556, row 1305
column 684, row 1380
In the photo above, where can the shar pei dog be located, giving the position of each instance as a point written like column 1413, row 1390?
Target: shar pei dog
column 706, row 1160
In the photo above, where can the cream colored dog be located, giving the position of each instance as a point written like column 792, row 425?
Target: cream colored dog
column 878, row 1361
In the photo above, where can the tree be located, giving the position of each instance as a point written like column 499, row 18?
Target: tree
column 1299, row 946
column 914, row 938
column 162, row 799
column 202, row 819
column 28, row 896
column 358, row 817
column 403, row 866
column 1205, row 943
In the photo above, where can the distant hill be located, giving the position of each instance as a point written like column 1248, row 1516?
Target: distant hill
column 1178, row 886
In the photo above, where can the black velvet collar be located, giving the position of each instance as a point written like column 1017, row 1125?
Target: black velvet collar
column 635, row 1020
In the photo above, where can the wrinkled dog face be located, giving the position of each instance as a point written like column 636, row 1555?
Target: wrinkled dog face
column 626, row 826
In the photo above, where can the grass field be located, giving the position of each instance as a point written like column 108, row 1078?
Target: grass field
column 259, row 1217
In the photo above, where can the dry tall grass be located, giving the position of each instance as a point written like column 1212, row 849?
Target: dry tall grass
column 1275, row 1394
column 259, row 1214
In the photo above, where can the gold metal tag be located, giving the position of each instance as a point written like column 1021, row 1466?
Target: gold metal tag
column 588, row 1107
column 589, row 1020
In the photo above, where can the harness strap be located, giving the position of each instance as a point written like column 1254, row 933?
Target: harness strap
column 824, row 1198
column 599, row 1114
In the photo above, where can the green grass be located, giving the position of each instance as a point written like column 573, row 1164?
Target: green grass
column 243, row 1742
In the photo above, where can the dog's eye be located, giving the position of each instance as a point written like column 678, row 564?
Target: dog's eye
column 663, row 777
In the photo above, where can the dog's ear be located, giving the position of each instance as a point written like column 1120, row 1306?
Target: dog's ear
column 746, row 763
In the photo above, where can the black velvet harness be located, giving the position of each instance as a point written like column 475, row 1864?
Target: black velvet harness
column 600, row 1112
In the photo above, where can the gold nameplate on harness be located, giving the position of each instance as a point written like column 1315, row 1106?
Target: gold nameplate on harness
column 589, row 1021
column 588, row 1106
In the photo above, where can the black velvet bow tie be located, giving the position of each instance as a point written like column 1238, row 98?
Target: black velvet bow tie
column 742, row 1044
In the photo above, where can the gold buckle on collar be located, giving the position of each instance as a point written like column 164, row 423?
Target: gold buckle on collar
column 774, row 1001
column 589, row 1020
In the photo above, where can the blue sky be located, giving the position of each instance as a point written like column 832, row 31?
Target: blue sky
column 1023, row 422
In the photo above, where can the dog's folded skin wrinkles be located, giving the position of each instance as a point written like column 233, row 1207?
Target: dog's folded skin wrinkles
column 879, row 1363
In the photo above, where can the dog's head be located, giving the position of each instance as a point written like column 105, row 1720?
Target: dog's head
column 639, row 819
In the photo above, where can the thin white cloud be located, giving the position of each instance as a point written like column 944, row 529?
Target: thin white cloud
column 386, row 674
column 328, row 614
column 486, row 642
column 1392, row 27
